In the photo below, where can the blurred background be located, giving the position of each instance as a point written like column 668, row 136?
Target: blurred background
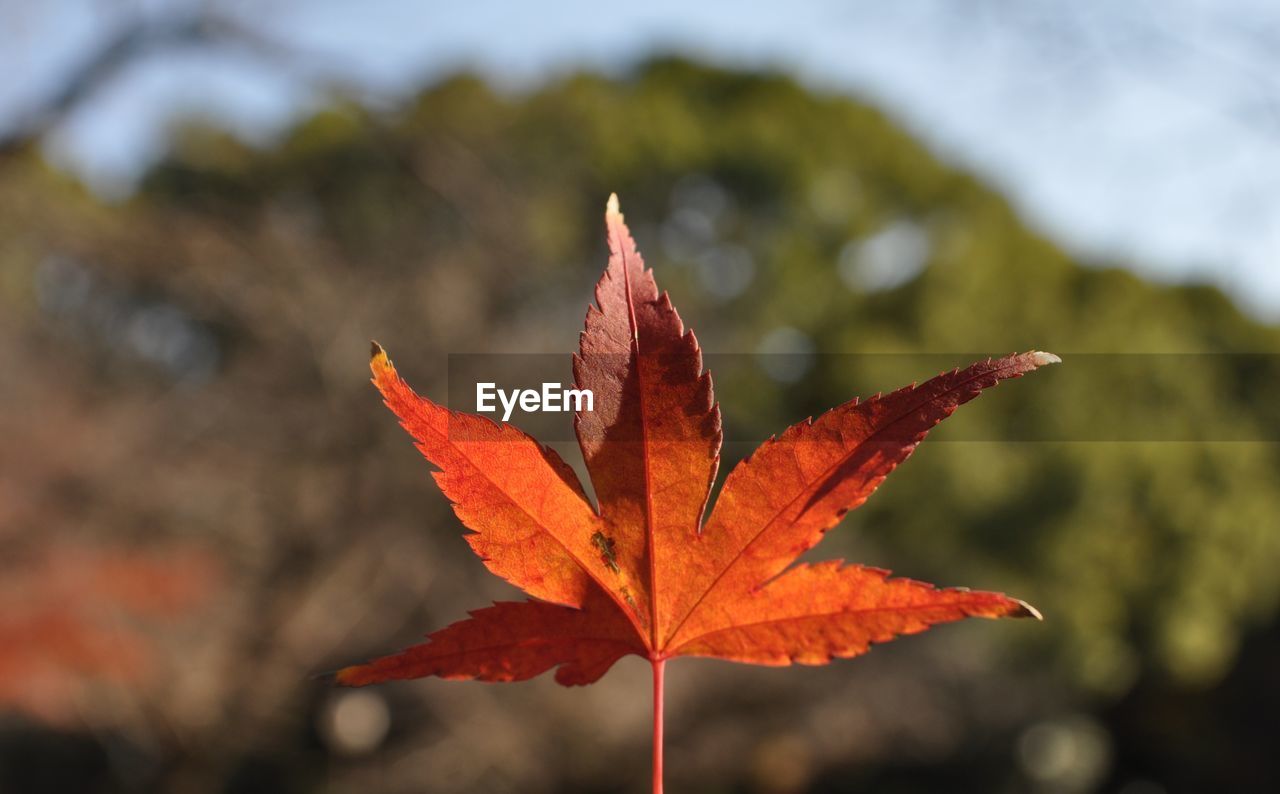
column 208, row 209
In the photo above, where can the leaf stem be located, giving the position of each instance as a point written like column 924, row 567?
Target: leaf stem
column 659, row 666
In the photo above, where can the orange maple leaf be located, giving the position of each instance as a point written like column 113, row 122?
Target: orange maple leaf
column 643, row 574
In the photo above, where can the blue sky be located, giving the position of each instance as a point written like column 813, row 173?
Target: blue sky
column 1141, row 130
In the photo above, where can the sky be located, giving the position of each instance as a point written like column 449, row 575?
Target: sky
column 1144, row 131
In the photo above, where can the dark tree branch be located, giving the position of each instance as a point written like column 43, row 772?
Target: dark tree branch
column 146, row 37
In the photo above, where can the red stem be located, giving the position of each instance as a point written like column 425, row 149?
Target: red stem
column 659, row 666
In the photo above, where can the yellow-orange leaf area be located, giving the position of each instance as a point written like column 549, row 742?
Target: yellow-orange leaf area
column 646, row 572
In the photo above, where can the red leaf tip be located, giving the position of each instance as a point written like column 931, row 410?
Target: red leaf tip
column 1043, row 359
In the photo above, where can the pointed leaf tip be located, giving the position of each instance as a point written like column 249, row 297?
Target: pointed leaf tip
column 1043, row 359
column 348, row 676
column 378, row 361
column 1025, row 610
column 611, row 208
column 326, row 676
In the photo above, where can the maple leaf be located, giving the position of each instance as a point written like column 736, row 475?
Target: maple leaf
column 644, row 574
